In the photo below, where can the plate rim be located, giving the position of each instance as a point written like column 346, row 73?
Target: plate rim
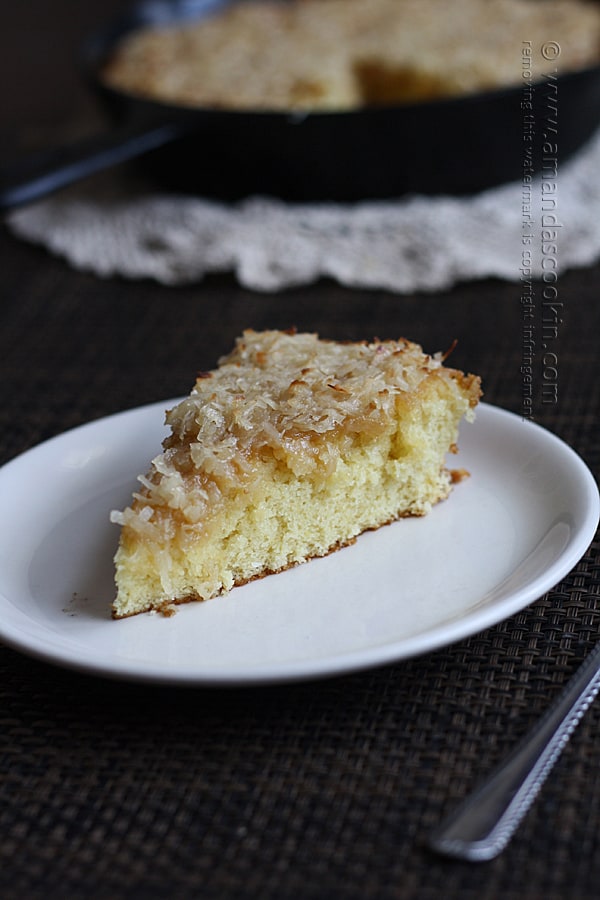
column 432, row 639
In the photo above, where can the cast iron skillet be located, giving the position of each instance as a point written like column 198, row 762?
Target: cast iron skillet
column 455, row 146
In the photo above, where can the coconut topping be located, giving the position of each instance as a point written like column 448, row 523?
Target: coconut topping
column 345, row 54
column 281, row 395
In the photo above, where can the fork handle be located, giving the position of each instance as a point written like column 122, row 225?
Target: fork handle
column 483, row 824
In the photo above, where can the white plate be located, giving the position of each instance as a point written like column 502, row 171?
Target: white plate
column 505, row 536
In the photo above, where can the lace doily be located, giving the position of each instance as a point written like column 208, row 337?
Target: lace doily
column 111, row 228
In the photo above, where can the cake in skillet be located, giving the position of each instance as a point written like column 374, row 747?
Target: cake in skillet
column 346, row 54
column 288, row 450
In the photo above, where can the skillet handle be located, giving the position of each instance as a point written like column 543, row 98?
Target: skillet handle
column 41, row 174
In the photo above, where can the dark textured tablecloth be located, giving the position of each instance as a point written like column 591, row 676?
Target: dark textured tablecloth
column 317, row 790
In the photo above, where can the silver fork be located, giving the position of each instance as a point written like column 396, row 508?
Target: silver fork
column 483, row 824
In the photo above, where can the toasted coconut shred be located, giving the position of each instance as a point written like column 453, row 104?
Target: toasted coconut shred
column 279, row 395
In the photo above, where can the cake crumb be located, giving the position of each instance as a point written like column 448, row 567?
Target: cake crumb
column 457, row 475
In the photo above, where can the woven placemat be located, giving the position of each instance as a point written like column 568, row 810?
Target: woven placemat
column 308, row 791
column 316, row 790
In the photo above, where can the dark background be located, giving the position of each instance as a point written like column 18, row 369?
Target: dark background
column 305, row 791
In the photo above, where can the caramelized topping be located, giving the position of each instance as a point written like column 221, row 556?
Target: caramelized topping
column 291, row 397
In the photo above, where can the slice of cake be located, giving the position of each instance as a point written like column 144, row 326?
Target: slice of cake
column 288, row 450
